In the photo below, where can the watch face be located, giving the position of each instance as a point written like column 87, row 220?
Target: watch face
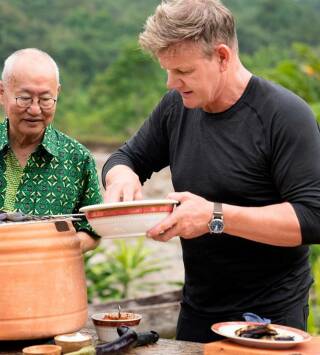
column 217, row 225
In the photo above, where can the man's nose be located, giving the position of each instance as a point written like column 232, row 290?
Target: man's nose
column 35, row 108
column 172, row 81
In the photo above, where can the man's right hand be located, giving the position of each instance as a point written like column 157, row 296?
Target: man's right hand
column 122, row 184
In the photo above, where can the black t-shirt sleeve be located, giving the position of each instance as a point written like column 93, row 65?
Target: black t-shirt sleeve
column 295, row 149
column 148, row 150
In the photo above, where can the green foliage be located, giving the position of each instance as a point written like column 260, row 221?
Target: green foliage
column 127, row 90
column 118, row 99
column 109, row 87
column 300, row 73
column 316, row 109
column 314, row 302
column 83, row 36
column 265, row 58
column 262, row 22
column 119, row 272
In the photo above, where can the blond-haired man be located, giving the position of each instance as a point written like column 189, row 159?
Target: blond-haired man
column 242, row 152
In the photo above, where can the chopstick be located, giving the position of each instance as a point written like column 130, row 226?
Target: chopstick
column 67, row 215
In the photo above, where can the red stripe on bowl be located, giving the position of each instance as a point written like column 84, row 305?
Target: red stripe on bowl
column 115, row 324
column 128, row 210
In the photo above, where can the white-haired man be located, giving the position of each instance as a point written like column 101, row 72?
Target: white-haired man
column 43, row 171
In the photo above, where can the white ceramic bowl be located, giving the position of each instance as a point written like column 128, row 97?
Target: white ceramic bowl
column 127, row 219
column 106, row 329
column 45, row 349
column 73, row 341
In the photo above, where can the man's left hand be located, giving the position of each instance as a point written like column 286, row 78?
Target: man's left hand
column 188, row 220
column 86, row 242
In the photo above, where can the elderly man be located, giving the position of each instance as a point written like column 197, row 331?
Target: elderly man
column 43, row 171
column 243, row 153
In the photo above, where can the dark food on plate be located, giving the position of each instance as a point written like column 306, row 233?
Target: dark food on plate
column 284, row 338
column 262, row 331
column 256, row 331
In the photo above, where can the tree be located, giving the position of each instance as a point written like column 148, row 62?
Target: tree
column 124, row 94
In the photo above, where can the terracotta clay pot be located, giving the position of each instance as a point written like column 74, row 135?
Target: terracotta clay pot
column 43, row 286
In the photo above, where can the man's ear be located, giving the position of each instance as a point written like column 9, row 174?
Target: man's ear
column 58, row 90
column 1, row 92
column 224, row 55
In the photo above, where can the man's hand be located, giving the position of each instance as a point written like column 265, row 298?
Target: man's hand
column 122, row 184
column 86, row 242
column 188, row 220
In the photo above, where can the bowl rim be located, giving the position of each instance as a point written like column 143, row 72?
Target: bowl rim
column 43, row 347
column 135, row 203
column 98, row 320
column 87, row 337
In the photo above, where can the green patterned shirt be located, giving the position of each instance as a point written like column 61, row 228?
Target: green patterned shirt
column 59, row 177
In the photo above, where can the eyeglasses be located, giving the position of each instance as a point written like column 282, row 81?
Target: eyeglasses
column 44, row 102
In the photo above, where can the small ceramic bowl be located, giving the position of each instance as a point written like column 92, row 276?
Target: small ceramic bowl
column 73, row 341
column 106, row 328
column 44, row 349
column 127, row 219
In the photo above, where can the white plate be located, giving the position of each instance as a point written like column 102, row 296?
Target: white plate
column 227, row 329
column 135, row 203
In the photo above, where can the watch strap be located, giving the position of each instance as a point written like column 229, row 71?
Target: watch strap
column 217, row 210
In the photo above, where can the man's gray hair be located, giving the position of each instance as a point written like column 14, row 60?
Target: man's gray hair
column 207, row 22
column 7, row 71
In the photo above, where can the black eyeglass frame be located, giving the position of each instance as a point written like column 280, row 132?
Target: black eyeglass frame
column 39, row 102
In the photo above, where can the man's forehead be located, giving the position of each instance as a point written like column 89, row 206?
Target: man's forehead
column 33, row 85
column 30, row 66
column 181, row 48
column 27, row 72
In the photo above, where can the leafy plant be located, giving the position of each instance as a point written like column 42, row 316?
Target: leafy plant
column 118, row 273
column 314, row 303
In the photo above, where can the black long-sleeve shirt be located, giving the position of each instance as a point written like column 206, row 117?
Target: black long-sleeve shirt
column 263, row 150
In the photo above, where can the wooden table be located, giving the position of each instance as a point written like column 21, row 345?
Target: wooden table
column 163, row 346
column 174, row 347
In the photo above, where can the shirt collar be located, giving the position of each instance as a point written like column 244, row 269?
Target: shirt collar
column 49, row 142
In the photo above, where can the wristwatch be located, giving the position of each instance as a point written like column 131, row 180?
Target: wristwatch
column 216, row 224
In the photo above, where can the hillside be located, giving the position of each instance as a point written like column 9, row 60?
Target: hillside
column 108, row 83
